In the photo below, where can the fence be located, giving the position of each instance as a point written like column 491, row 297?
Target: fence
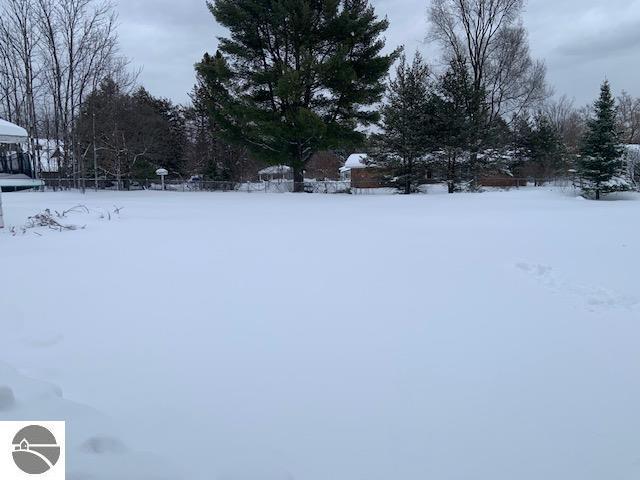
column 283, row 186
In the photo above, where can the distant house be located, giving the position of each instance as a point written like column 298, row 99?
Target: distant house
column 324, row 166
column 362, row 173
column 276, row 173
column 50, row 154
column 355, row 161
column 500, row 169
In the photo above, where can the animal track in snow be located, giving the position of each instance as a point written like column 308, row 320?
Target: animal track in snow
column 595, row 298
column 43, row 340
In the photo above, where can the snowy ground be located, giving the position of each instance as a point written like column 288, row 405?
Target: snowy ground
column 240, row 336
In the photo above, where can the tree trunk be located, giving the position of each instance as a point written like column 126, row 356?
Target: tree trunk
column 408, row 177
column 451, row 174
column 597, row 194
column 298, row 179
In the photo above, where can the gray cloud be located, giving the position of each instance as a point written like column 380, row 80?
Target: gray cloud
column 582, row 41
column 166, row 38
column 618, row 40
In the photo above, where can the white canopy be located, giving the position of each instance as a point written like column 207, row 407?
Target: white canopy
column 275, row 170
column 10, row 133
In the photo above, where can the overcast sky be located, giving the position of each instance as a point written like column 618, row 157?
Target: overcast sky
column 582, row 41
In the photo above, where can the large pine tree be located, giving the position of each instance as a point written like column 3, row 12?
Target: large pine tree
column 405, row 140
column 295, row 76
column 601, row 166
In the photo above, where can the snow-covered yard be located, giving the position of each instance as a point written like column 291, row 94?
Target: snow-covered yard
column 245, row 336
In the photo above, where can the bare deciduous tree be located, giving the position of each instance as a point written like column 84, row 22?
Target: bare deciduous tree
column 53, row 53
column 569, row 122
column 629, row 118
column 19, row 40
column 488, row 36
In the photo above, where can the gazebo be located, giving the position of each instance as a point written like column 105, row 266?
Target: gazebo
column 276, row 173
column 16, row 167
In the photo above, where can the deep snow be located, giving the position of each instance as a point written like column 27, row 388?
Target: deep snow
column 329, row 337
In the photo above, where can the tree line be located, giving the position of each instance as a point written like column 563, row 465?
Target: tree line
column 53, row 54
column 128, row 134
column 428, row 124
column 63, row 77
column 295, row 77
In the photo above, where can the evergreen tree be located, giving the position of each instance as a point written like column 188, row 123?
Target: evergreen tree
column 169, row 147
column 540, row 144
column 208, row 153
column 601, row 166
column 522, row 134
column 295, row 76
column 200, row 154
column 404, row 141
column 547, row 150
column 128, row 132
column 452, row 122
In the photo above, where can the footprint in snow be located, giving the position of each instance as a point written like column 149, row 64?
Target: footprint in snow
column 102, row 445
column 595, row 298
column 43, row 341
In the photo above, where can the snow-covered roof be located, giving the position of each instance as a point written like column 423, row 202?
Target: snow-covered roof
column 10, row 133
column 50, row 145
column 275, row 170
column 356, row 160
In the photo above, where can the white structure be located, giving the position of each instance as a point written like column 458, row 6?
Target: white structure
column 12, row 165
column 357, row 160
column 50, row 154
column 10, row 133
column 277, row 172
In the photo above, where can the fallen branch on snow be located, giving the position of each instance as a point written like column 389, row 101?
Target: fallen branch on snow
column 50, row 220
column 46, row 219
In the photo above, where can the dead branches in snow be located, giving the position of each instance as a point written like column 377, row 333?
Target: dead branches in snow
column 107, row 214
column 76, row 209
column 56, row 220
column 46, row 219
